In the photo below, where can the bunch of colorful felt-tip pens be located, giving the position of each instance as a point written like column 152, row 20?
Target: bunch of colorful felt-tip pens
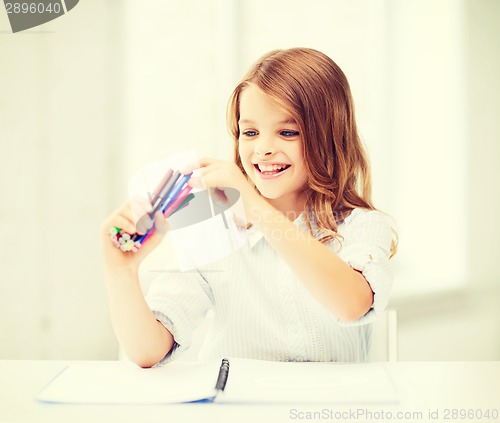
column 171, row 195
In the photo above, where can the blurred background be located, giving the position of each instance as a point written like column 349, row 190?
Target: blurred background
column 90, row 98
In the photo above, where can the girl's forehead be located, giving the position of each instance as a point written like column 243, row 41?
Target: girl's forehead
column 256, row 105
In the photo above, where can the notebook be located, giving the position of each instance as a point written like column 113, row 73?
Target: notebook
column 233, row 380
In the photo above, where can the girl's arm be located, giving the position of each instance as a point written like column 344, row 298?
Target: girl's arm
column 144, row 340
column 341, row 289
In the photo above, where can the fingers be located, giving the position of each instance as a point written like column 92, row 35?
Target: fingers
column 161, row 225
column 197, row 181
column 140, row 208
column 137, row 212
column 121, row 218
column 219, row 196
column 208, row 176
column 144, row 224
column 191, row 166
column 200, row 163
column 156, row 236
column 126, row 243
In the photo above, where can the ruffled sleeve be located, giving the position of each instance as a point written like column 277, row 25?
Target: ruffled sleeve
column 180, row 301
column 366, row 247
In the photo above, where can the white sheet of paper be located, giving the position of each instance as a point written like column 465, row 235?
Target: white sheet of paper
column 249, row 381
column 125, row 383
column 257, row 381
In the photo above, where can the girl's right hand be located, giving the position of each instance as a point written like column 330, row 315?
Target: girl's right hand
column 114, row 258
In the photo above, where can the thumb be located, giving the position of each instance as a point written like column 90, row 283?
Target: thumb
column 159, row 231
column 161, row 225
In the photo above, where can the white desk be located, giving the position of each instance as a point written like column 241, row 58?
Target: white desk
column 422, row 387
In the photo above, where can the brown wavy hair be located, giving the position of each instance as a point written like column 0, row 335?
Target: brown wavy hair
column 312, row 88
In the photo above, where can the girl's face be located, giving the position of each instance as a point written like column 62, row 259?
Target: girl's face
column 270, row 148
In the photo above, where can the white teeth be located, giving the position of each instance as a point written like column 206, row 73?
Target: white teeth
column 270, row 168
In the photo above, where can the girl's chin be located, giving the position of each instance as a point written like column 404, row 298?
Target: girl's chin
column 269, row 193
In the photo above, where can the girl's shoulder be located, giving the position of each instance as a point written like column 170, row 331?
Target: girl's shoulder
column 361, row 216
column 369, row 227
column 359, row 219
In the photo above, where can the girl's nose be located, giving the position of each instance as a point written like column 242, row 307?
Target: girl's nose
column 267, row 153
column 264, row 147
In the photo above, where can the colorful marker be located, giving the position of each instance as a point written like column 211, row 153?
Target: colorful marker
column 169, row 198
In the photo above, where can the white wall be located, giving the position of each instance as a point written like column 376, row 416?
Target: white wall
column 465, row 325
column 60, row 119
column 426, row 129
column 483, row 133
column 91, row 97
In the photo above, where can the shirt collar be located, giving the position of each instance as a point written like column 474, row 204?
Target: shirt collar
column 255, row 235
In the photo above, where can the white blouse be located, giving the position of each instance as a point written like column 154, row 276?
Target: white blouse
column 263, row 311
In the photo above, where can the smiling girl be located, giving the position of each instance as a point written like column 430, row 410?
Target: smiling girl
column 316, row 269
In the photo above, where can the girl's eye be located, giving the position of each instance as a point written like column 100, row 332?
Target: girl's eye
column 289, row 133
column 249, row 133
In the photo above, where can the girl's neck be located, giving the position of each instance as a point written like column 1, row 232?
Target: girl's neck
column 290, row 206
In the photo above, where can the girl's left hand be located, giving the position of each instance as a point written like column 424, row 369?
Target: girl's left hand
column 214, row 173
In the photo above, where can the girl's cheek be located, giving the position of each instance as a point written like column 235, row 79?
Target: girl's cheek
column 241, row 150
column 244, row 156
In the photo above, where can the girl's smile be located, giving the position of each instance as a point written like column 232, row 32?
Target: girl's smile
column 269, row 170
